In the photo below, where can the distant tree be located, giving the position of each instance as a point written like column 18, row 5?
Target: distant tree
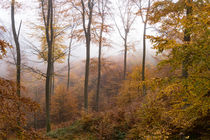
column 64, row 105
column 127, row 18
column 143, row 11
column 72, row 36
column 102, row 13
column 85, row 8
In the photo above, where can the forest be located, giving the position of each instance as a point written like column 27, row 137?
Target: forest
column 104, row 70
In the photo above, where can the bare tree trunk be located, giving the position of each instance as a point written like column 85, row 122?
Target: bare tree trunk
column 69, row 65
column 49, row 37
column 144, row 48
column 125, row 56
column 99, row 67
column 186, row 39
column 16, row 37
column 52, row 84
column 144, row 57
column 18, row 60
column 88, row 40
column 35, row 113
column 86, row 74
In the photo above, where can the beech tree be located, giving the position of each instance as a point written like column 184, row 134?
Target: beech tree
column 48, row 23
column 85, row 8
column 72, row 36
column 127, row 18
column 143, row 11
column 102, row 13
column 17, row 44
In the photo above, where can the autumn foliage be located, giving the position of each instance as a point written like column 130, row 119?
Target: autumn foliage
column 13, row 112
column 167, row 97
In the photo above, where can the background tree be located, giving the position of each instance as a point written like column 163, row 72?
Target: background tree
column 143, row 11
column 72, row 36
column 127, row 18
column 102, row 13
column 85, row 8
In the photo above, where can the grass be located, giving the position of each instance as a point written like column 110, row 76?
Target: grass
column 73, row 132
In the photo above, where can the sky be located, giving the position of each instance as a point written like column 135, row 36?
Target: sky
column 29, row 14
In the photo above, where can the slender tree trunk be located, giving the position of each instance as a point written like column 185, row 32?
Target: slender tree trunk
column 88, row 40
column 48, row 89
column 52, row 81
column 144, row 48
column 125, row 57
column 18, row 60
column 144, row 58
column 99, row 67
column 49, row 37
column 87, row 74
column 186, row 39
column 69, row 65
column 35, row 113
column 15, row 36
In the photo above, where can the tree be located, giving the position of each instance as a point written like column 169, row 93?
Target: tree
column 102, row 8
column 64, row 105
column 183, row 34
column 87, row 31
column 127, row 18
column 187, row 37
column 144, row 13
column 85, row 8
column 175, row 34
column 16, row 39
column 59, row 49
column 48, row 22
column 72, row 35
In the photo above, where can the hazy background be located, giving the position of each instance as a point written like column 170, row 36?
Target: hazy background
column 28, row 13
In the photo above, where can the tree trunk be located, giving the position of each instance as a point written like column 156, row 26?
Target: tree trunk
column 69, row 65
column 144, row 48
column 125, row 57
column 186, row 39
column 52, row 80
column 35, row 113
column 88, row 40
column 87, row 73
column 49, row 37
column 144, row 58
column 99, row 67
column 15, row 36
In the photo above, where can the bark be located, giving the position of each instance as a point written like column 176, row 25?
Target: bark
column 18, row 59
column 35, row 113
column 52, row 80
column 125, row 56
column 144, row 58
column 99, row 67
column 144, row 48
column 15, row 36
column 49, row 37
column 102, row 13
column 69, row 64
column 88, row 40
column 186, row 39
